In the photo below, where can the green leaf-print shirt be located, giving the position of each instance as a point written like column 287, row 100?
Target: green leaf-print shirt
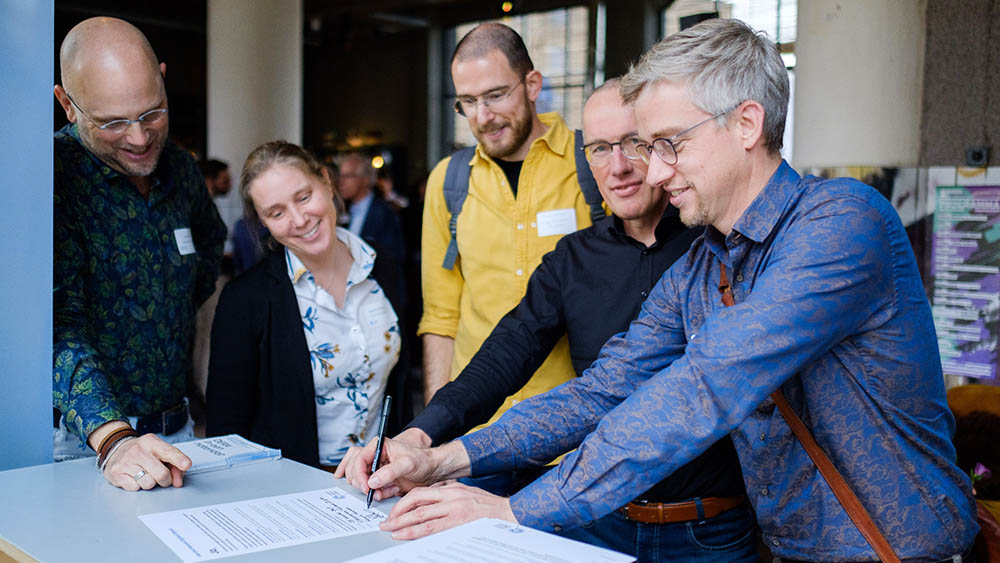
column 124, row 295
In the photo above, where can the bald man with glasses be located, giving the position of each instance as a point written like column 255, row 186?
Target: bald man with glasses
column 138, row 243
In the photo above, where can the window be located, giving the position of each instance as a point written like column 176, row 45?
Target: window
column 777, row 18
column 557, row 42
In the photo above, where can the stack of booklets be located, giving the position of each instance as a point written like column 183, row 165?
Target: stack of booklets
column 223, row 452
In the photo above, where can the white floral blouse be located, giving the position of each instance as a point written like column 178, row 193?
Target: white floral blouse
column 351, row 349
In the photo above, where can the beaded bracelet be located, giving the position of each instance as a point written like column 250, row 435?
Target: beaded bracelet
column 103, row 462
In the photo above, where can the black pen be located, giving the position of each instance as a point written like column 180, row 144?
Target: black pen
column 378, row 445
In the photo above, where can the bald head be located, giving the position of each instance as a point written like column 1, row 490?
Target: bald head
column 101, row 45
column 609, row 84
column 110, row 74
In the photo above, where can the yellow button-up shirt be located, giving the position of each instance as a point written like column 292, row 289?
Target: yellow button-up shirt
column 499, row 246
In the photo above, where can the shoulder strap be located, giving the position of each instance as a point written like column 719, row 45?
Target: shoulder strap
column 588, row 185
column 855, row 510
column 456, row 187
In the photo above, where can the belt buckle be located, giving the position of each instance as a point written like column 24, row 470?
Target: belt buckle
column 178, row 408
column 625, row 509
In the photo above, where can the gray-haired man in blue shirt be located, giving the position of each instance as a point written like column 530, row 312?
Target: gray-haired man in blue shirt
column 829, row 307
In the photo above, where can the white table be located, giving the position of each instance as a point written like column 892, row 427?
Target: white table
column 67, row 512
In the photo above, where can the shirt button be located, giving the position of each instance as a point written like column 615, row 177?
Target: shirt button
column 557, row 528
column 644, row 293
column 519, row 272
column 775, row 542
column 763, row 436
column 763, row 491
column 520, row 226
column 739, row 277
column 532, row 224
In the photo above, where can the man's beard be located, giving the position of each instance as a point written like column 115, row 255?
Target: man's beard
column 520, row 129
column 109, row 152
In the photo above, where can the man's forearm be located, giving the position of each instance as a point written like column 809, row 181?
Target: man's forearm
column 438, row 353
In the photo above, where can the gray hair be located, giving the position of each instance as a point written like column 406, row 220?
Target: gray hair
column 365, row 162
column 722, row 63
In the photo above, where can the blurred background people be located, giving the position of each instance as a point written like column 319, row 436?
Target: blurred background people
column 371, row 217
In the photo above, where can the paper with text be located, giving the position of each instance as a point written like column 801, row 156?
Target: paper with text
column 494, row 541
column 224, row 530
column 185, row 243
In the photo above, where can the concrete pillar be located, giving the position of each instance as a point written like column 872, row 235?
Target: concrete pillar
column 254, row 96
column 859, row 78
column 254, row 78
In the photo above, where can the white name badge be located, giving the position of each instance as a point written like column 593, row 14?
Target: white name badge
column 185, row 244
column 556, row 222
column 378, row 316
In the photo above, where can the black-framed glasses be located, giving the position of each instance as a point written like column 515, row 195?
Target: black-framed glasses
column 119, row 126
column 664, row 147
column 467, row 105
column 599, row 153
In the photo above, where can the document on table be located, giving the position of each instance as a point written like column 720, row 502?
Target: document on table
column 494, row 541
column 223, row 530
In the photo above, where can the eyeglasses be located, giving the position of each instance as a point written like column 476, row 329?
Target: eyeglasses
column 119, row 126
column 664, row 148
column 599, row 153
column 468, row 105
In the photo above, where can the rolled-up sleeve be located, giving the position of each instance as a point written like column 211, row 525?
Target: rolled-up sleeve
column 442, row 288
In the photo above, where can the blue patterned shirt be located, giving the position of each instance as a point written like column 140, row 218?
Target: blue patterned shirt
column 127, row 283
column 829, row 306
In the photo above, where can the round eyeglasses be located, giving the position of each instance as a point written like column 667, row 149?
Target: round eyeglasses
column 119, row 126
column 467, row 105
column 599, row 153
column 664, row 147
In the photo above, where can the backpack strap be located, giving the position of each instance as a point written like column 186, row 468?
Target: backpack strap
column 456, row 187
column 588, row 185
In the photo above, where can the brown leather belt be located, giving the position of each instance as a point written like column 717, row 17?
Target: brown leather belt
column 663, row 513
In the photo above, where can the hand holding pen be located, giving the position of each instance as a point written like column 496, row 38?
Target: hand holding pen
column 378, row 445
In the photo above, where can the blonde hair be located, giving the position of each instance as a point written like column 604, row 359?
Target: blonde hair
column 275, row 153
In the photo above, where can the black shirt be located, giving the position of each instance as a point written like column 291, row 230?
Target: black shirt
column 590, row 287
column 512, row 170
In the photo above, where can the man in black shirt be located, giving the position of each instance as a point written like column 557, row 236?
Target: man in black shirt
column 590, row 288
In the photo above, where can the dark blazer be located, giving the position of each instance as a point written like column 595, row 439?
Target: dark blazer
column 382, row 228
column 260, row 382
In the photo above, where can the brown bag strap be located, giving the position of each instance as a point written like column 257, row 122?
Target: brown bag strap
column 855, row 510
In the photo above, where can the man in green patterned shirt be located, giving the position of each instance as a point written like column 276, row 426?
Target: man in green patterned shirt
column 138, row 243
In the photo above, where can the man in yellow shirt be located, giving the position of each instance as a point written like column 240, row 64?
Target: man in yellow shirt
column 523, row 197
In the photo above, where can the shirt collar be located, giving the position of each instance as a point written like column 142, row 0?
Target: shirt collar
column 161, row 175
column 616, row 227
column 759, row 219
column 363, row 257
column 558, row 137
column 360, row 208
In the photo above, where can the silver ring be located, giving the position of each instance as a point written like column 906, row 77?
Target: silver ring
column 139, row 475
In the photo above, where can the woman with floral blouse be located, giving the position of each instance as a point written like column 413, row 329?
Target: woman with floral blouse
column 306, row 343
